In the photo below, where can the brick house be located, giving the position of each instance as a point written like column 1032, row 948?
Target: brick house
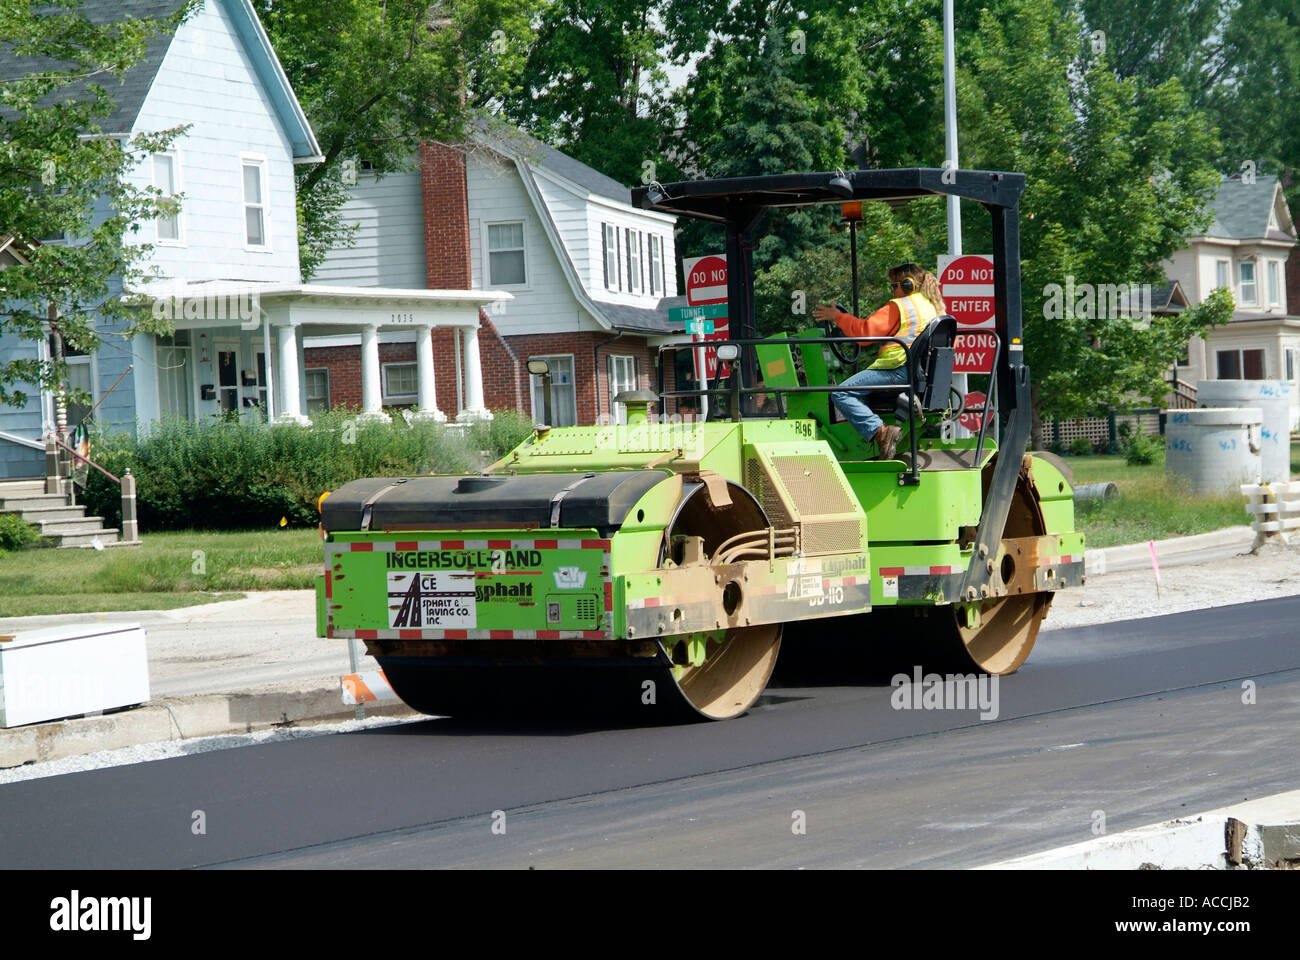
column 591, row 277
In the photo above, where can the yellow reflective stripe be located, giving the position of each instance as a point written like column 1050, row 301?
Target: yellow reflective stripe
column 908, row 329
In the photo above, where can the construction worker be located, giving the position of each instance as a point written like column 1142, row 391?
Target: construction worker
column 916, row 301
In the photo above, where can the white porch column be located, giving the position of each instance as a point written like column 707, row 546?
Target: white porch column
column 428, row 405
column 290, row 377
column 371, row 402
column 474, row 408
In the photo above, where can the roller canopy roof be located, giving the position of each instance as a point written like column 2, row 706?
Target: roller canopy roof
column 738, row 199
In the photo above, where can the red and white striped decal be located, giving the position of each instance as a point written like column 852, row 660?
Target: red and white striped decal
column 474, row 634
column 401, row 546
column 918, row 571
column 1058, row 561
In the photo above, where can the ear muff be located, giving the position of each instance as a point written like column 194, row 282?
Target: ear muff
column 907, row 285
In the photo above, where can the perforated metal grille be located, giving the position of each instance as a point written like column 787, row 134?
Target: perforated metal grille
column 586, row 609
column 831, row 536
column 758, row 483
column 812, row 485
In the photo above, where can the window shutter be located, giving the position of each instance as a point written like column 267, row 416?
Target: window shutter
column 604, row 252
column 627, row 244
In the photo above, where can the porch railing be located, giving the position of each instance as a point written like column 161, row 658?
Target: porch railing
column 126, row 483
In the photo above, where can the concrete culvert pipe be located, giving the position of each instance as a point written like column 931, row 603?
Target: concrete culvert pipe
column 1107, row 490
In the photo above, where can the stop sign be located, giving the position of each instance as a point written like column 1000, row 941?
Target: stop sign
column 967, row 287
column 970, row 418
column 706, row 280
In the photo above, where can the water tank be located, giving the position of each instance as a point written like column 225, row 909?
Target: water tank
column 1213, row 448
column 1273, row 397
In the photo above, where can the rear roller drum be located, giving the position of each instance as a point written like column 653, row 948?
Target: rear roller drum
column 995, row 635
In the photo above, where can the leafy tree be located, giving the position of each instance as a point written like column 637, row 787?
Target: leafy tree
column 60, row 176
column 376, row 77
column 595, row 84
column 1119, row 174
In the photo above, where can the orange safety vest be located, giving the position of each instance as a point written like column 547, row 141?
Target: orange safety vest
column 915, row 311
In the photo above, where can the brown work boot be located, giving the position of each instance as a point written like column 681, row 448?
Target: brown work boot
column 887, row 441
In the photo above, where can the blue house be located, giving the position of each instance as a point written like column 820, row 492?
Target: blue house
column 228, row 262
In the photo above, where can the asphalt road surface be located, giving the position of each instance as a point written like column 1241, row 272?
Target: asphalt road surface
column 1135, row 722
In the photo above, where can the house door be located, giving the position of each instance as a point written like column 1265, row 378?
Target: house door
column 227, row 377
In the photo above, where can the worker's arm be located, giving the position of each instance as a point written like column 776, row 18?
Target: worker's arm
column 883, row 323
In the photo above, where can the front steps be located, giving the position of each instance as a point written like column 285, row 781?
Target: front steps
column 62, row 525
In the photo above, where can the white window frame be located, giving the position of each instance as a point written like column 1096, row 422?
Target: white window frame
column 1222, row 275
column 535, row 381
column 488, row 251
column 1253, row 299
column 175, row 158
column 618, row 411
column 398, row 399
column 306, row 379
column 258, row 160
column 609, row 243
column 1274, row 283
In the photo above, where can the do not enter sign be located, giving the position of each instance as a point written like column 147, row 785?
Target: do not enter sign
column 967, row 287
column 706, row 280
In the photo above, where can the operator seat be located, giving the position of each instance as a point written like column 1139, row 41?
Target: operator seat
column 930, row 361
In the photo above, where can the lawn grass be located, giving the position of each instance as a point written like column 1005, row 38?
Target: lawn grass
column 1149, row 507
column 169, row 570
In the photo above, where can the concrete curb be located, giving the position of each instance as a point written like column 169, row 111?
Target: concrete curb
column 1271, row 840
column 1171, row 552
column 182, row 718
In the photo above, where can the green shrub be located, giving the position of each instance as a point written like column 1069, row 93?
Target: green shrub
column 221, row 474
column 1080, row 446
column 1142, row 450
column 505, row 431
column 16, row 533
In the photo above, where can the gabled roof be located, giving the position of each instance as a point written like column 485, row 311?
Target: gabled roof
column 529, row 153
column 1241, row 210
column 130, row 93
column 1169, row 298
column 501, row 136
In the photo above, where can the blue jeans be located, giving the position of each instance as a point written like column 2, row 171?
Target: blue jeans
column 854, row 405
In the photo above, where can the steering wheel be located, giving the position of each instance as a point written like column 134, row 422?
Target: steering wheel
column 846, row 349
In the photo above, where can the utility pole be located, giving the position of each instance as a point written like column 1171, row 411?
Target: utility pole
column 950, row 162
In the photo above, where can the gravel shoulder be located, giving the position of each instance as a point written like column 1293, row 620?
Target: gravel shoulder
column 1274, row 571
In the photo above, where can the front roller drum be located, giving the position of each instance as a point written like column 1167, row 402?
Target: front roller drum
column 628, row 690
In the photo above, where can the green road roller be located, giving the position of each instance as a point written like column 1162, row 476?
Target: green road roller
column 649, row 568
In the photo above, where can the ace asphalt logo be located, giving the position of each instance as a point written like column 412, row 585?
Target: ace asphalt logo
column 570, row 578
